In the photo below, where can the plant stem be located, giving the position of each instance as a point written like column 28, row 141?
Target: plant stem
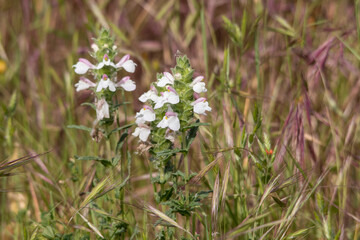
column 186, row 165
column 162, row 185
column 162, row 179
column 124, row 160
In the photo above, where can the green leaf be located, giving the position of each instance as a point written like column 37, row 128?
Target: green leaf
column 170, row 152
column 89, row 104
column 191, row 135
column 49, row 232
column 119, row 129
column 166, row 195
column 80, row 127
column 120, row 143
column 197, row 124
column 120, row 104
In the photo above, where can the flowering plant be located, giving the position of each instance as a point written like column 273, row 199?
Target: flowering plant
column 170, row 108
column 105, row 82
column 104, row 85
column 169, row 118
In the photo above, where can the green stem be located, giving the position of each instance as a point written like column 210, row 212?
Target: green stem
column 162, row 185
column 123, row 160
column 186, row 165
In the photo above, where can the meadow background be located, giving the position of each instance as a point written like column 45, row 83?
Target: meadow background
column 298, row 61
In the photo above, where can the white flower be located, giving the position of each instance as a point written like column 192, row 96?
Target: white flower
column 146, row 114
column 105, row 62
column 83, row 84
column 170, row 96
column 102, row 109
column 127, row 64
column 83, row 65
column 105, row 83
column 197, row 85
column 151, row 94
column 143, row 131
column 127, row 84
column 166, row 79
column 171, row 121
column 200, row 106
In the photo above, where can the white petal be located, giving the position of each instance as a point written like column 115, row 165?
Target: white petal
column 140, row 120
column 111, row 86
column 81, row 85
column 153, row 96
column 107, row 63
column 122, row 60
column 160, row 102
column 100, row 66
column 136, row 132
column 201, row 107
column 101, row 85
column 129, row 85
column 112, row 64
column 199, row 87
column 149, row 95
column 81, row 68
column 174, row 123
column 144, row 134
column 148, row 115
column 169, row 76
column 163, row 81
column 144, row 97
column 173, row 98
column 163, row 123
column 129, row 66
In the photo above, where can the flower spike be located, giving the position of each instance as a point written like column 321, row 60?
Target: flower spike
column 104, row 83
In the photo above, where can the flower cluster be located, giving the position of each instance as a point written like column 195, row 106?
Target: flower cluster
column 170, row 105
column 105, row 75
